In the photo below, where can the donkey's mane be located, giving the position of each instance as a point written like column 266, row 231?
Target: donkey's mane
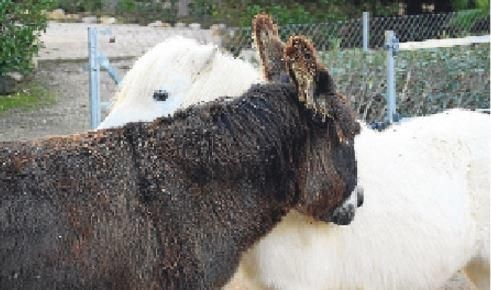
column 229, row 138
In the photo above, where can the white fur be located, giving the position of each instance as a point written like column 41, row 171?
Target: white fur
column 185, row 69
column 426, row 181
column 426, row 214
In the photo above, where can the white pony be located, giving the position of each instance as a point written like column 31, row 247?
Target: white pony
column 426, row 182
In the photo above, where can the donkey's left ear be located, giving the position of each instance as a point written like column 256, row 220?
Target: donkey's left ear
column 269, row 47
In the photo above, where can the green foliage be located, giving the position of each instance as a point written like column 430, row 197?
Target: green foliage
column 460, row 4
column 282, row 14
column 483, row 5
column 72, row 6
column 21, row 23
column 237, row 13
column 126, row 6
column 465, row 21
column 203, row 8
column 147, row 11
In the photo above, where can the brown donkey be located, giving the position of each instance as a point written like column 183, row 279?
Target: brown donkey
column 173, row 203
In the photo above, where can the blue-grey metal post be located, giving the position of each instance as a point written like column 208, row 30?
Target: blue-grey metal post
column 365, row 31
column 392, row 47
column 94, row 77
column 105, row 64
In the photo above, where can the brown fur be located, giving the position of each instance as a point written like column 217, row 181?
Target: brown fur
column 269, row 46
column 169, row 204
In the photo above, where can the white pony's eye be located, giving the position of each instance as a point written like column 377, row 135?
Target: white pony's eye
column 160, row 95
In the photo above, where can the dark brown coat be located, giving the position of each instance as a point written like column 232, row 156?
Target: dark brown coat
column 169, row 204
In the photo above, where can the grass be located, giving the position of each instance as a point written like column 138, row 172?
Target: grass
column 30, row 96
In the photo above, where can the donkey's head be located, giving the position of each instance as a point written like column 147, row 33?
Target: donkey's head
column 328, row 173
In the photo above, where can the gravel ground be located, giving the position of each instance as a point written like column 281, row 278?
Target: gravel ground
column 69, row 82
column 62, row 69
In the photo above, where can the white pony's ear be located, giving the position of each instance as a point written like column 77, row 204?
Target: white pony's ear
column 203, row 59
column 211, row 57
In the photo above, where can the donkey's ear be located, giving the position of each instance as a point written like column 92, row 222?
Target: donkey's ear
column 269, row 47
column 264, row 22
column 302, row 66
column 315, row 87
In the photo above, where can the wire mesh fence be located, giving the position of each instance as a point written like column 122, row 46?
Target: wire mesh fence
column 348, row 33
column 427, row 80
column 429, row 26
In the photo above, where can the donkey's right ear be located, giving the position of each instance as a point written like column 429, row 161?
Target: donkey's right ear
column 301, row 61
column 269, row 47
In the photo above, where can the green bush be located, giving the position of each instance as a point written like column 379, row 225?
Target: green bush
column 71, row 6
column 21, row 23
column 283, row 15
column 144, row 12
column 483, row 5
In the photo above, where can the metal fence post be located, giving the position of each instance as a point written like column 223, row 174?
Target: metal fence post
column 94, row 78
column 392, row 47
column 365, row 31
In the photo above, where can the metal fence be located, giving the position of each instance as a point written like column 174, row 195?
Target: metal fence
column 384, row 87
column 379, row 82
column 348, row 33
column 419, row 79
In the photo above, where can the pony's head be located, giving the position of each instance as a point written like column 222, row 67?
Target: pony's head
column 181, row 71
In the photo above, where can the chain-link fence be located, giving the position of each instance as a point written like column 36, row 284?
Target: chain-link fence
column 428, row 80
column 348, row 33
column 429, row 26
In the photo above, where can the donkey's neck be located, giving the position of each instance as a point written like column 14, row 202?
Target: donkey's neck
column 232, row 164
column 256, row 136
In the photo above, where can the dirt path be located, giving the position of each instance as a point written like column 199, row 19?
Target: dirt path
column 69, row 40
column 69, row 83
